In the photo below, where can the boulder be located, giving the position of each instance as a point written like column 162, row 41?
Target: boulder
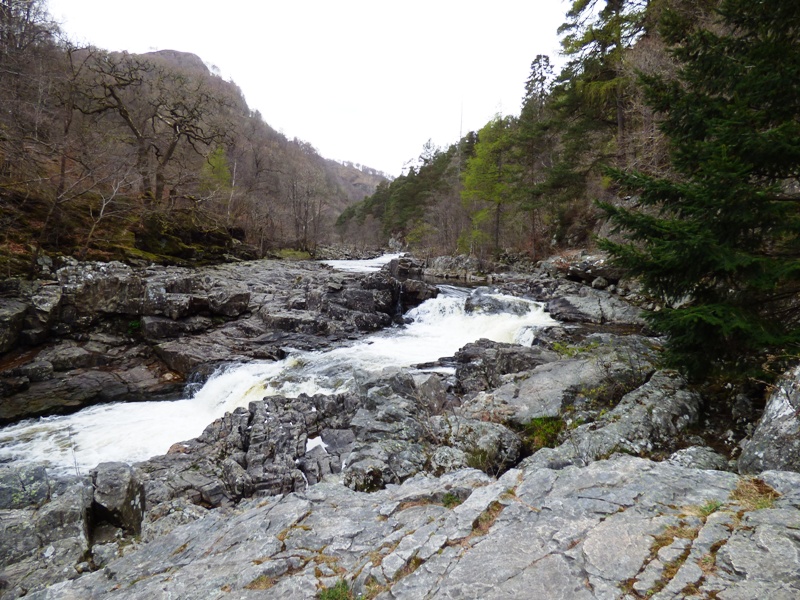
column 26, row 487
column 594, row 306
column 488, row 446
column 589, row 376
column 118, row 496
column 90, row 290
column 649, row 420
column 228, row 300
column 44, row 530
column 700, row 457
column 488, row 301
column 454, row 267
column 775, row 443
column 480, row 365
column 414, row 292
column 38, row 370
column 43, row 313
column 389, row 428
column 12, row 318
column 404, row 267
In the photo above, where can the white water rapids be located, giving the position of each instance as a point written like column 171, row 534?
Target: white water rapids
column 132, row 432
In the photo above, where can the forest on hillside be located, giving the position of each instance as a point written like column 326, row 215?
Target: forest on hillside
column 527, row 183
column 671, row 138
column 151, row 157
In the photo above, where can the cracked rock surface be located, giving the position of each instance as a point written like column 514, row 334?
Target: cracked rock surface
column 619, row 528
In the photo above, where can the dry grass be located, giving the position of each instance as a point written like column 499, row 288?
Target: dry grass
column 754, row 494
column 669, row 535
column 411, row 566
column 262, row 582
column 703, row 510
column 707, row 563
column 415, row 503
column 486, row 519
column 373, row 589
column 180, row 549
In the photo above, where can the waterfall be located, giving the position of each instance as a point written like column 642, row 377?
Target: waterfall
column 136, row 431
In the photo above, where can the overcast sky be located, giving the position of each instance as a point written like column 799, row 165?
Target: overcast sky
column 368, row 81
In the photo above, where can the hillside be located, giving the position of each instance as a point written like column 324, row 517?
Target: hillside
column 149, row 157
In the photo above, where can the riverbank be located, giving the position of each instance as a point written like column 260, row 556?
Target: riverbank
column 501, row 469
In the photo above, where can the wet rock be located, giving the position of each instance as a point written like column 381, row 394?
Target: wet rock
column 12, row 318
column 43, row 536
column 480, row 365
column 38, row 370
column 414, row 293
column 69, row 355
column 10, row 385
column 27, row 487
column 61, row 395
column 775, row 443
column 118, row 496
column 161, row 327
column 488, row 301
column 594, row 306
column 187, row 355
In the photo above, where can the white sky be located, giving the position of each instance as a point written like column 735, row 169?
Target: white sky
column 368, row 81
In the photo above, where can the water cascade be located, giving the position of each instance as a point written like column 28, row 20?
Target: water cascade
column 136, row 431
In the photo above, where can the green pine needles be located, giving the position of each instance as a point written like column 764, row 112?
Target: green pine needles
column 718, row 240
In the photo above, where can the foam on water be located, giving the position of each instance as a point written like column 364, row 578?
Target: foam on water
column 136, row 431
column 361, row 266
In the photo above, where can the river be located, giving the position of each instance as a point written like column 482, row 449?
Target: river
column 133, row 432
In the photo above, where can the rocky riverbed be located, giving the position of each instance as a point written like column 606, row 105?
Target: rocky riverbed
column 568, row 467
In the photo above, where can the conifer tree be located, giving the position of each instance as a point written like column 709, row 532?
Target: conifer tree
column 718, row 241
column 489, row 178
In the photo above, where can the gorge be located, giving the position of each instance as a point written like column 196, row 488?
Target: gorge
column 136, row 431
column 554, row 459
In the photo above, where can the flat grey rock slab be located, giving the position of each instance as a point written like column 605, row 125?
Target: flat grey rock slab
column 602, row 531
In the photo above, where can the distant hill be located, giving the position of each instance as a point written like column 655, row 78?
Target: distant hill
column 357, row 181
